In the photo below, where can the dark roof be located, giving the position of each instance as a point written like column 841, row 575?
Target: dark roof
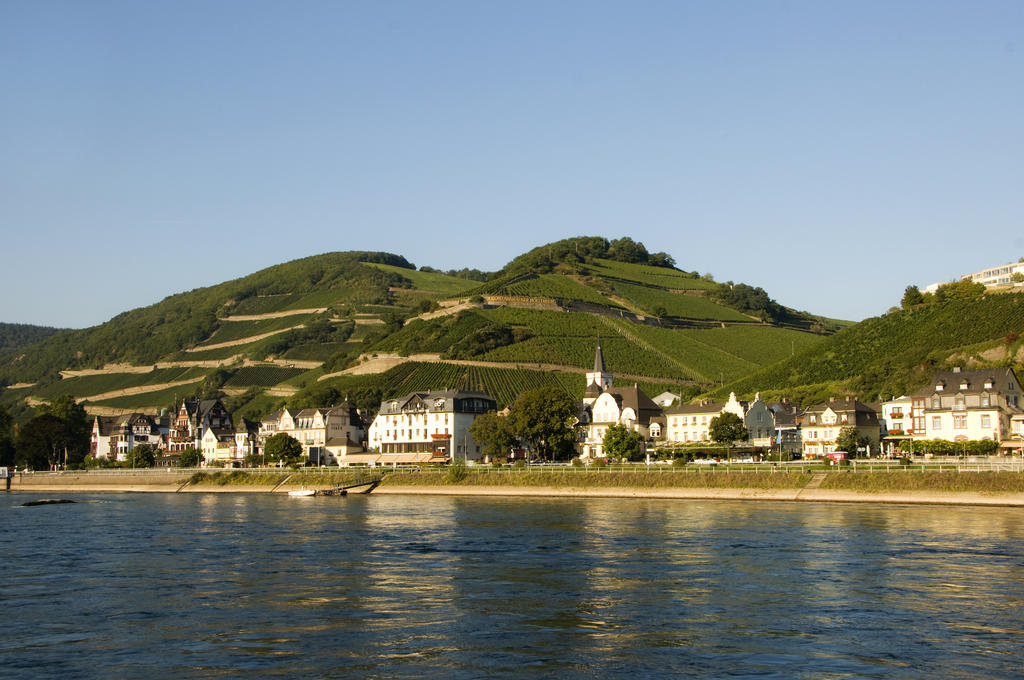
column 598, row 359
column 1001, row 379
column 428, row 399
column 593, row 390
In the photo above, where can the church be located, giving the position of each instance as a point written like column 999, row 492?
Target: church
column 604, row 405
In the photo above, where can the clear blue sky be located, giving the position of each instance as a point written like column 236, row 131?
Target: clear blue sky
column 830, row 152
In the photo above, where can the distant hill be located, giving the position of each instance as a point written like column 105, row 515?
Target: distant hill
column 17, row 335
column 308, row 331
column 898, row 352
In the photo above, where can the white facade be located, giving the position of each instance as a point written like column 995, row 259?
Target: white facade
column 113, row 437
column 426, row 427
column 990, row 278
column 968, row 405
column 690, row 423
column 327, row 435
column 218, row 448
column 897, row 416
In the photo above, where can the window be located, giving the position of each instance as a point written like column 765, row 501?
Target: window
column 936, row 422
column 959, row 402
column 985, row 399
column 986, row 420
column 959, row 422
column 814, row 419
column 843, row 418
column 936, row 402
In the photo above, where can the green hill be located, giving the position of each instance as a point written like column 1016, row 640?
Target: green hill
column 17, row 335
column 898, row 352
column 267, row 339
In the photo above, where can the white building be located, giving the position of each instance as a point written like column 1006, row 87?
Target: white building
column 604, row 406
column 993, row 277
column 114, row 436
column 690, row 422
column 969, row 405
column 327, row 435
column 424, row 427
column 823, row 423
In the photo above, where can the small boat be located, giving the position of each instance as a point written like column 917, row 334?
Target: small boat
column 302, row 492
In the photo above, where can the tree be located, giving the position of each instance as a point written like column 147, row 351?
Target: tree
column 494, row 435
column 622, row 442
column 77, row 426
column 283, row 448
column 190, row 458
column 6, row 440
column 849, row 440
column 1017, row 277
column 41, row 443
column 546, row 419
column 911, row 297
column 727, row 428
column 142, row 456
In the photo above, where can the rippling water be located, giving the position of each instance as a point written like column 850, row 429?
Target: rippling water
column 167, row 586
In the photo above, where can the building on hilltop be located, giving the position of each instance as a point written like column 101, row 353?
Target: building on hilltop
column 429, row 426
column 604, row 406
column 994, row 277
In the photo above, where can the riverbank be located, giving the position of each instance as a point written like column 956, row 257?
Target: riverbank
column 991, row 489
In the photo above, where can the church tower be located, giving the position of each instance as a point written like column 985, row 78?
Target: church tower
column 599, row 380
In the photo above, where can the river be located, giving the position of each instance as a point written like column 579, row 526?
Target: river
column 241, row 585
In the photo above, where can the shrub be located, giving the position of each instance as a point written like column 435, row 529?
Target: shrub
column 456, row 473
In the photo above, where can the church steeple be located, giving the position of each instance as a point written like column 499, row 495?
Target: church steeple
column 598, row 380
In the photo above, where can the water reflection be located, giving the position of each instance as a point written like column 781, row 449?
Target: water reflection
column 173, row 585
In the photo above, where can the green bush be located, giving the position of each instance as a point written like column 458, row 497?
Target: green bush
column 457, row 472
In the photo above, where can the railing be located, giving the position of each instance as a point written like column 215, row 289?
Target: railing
column 856, row 466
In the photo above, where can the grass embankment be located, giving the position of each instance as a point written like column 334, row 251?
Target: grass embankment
column 880, row 482
column 618, row 479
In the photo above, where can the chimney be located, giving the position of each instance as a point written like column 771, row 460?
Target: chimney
column 956, row 369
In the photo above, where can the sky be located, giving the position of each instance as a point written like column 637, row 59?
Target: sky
column 831, row 153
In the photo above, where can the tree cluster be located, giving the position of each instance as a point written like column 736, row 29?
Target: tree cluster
column 543, row 419
column 750, row 300
column 584, row 249
column 965, row 289
column 58, row 436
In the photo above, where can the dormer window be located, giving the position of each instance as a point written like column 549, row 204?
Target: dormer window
column 814, row 419
column 936, row 402
column 940, row 387
column 964, row 385
column 985, row 399
column 988, row 384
